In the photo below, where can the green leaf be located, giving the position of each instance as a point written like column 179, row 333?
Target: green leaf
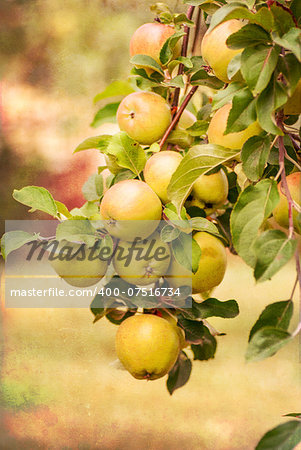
column 199, row 160
column 265, row 343
column 257, row 66
column 242, row 113
column 175, row 82
column 114, row 89
column 146, row 61
column 88, row 210
column 203, row 224
column 283, row 20
column 282, row 437
column 224, row 96
column 268, row 101
column 290, row 41
column 248, row 35
column 202, row 78
column 199, row 128
column 186, row 251
column 254, row 205
column 93, row 187
column 169, row 233
column 62, row 209
column 293, row 415
column 254, row 155
column 105, row 114
column 273, row 250
column 277, row 315
column 233, row 10
column 206, row 348
column 291, row 69
column 76, row 231
column 234, row 66
column 96, row 142
column 129, row 154
column 215, row 308
column 295, row 7
column 38, row 198
column 179, row 374
column 12, row 240
column 167, row 50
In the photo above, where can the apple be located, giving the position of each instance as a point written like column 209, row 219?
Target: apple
column 77, row 264
column 144, row 116
column 149, row 39
column 212, row 188
column 147, row 346
column 215, row 51
column 293, row 105
column 187, row 119
column 211, row 270
column 173, row 321
column 218, row 126
column 158, row 171
column 280, row 213
column 143, row 262
column 131, row 209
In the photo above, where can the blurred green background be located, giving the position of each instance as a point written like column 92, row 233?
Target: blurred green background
column 60, row 386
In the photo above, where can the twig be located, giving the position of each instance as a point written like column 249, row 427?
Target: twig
column 285, row 186
column 196, row 32
column 298, row 268
column 178, row 115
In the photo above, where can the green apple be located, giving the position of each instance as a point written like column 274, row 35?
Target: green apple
column 211, row 270
column 147, row 346
column 78, row 264
column 143, row 262
column 218, row 126
column 158, row 171
column 280, row 213
column 128, row 201
column 293, row 105
column 149, row 39
column 215, row 51
column 144, row 116
column 212, row 188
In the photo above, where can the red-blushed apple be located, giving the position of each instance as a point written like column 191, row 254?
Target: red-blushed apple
column 131, row 209
column 215, row 51
column 218, row 126
column 280, row 213
column 144, row 116
column 211, row 270
column 159, row 169
column 147, row 346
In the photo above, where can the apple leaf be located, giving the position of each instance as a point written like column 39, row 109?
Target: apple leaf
column 224, row 96
column 215, row 308
column 277, row 315
column 290, row 41
column 129, row 154
column 202, row 78
column 266, row 342
column 248, row 35
column 254, row 205
column 88, row 210
column 76, row 231
column 93, row 187
column 254, row 156
column 95, row 142
column 283, row 20
column 116, row 88
column 169, row 233
column 186, row 251
column 146, row 61
column 233, row 10
column 62, row 209
column 291, row 69
column 295, row 7
column 283, row 437
column 234, row 66
column 179, row 374
column 198, row 160
column 199, row 128
column 257, row 66
column 242, row 113
column 273, row 250
column 298, row 415
column 12, row 240
column 38, row 198
column 105, row 114
column 167, row 49
column 206, row 348
column 175, row 82
column 272, row 98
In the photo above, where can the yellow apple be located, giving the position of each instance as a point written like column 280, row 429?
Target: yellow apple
column 280, row 213
column 147, row 346
column 143, row 262
column 293, row 105
column 215, row 51
column 77, row 264
column 144, row 116
column 218, row 126
column 187, row 119
column 131, row 209
column 212, row 188
column 211, row 270
column 149, row 39
column 158, row 171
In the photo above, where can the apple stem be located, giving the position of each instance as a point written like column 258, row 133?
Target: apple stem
column 197, row 30
column 176, row 96
column 176, row 118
